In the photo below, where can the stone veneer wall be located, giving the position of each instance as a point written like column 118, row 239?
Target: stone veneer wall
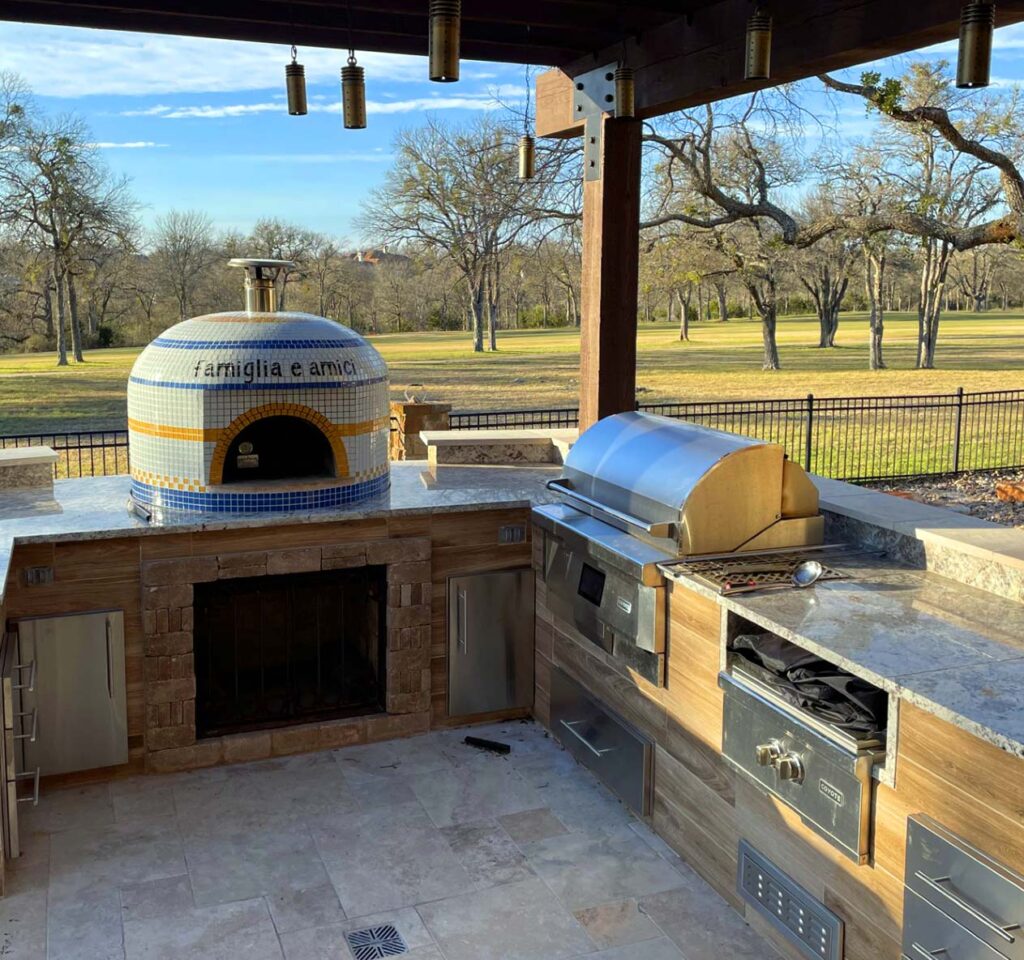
column 169, row 670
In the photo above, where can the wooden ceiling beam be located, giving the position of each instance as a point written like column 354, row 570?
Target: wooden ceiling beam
column 320, row 25
column 700, row 58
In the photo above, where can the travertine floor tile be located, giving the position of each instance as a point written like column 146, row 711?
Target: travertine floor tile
column 231, row 931
column 388, row 858
column 702, row 924
column 518, row 921
column 487, row 853
column 467, row 794
column 328, row 942
column 299, row 908
column 585, row 871
column 617, row 923
column 88, row 806
column 532, row 825
column 660, row 949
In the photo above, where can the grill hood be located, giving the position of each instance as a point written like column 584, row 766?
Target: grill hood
column 689, row 489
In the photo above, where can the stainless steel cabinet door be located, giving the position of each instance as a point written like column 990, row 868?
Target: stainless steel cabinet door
column 490, row 642
column 79, row 692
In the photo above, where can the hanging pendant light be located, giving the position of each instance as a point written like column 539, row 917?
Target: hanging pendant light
column 445, row 27
column 353, row 94
column 759, row 46
column 974, row 59
column 625, row 92
column 527, row 157
column 295, row 84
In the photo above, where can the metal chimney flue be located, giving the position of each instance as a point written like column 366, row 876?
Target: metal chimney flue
column 261, row 282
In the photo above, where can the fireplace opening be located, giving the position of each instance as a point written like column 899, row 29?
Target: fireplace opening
column 279, row 448
column 297, row 648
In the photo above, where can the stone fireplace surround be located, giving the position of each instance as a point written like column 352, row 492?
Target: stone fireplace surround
column 169, row 671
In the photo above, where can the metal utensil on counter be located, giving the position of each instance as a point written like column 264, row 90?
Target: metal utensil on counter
column 807, row 573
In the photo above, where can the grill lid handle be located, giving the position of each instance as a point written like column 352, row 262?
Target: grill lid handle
column 260, row 281
column 617, row 518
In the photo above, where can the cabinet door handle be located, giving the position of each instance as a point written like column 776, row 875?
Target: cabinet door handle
column 461, row 616
column 928, row 954
column 31, row 736
column 110, row 669
column 936, row 884
column 31, row 668
column 33, row 798
column 571, row 725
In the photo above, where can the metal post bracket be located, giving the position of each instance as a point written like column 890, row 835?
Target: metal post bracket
column 593, row 95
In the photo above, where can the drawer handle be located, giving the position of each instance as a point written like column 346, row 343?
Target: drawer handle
column 927, row 954
column 571, row 727
column 936, row 884
column 34, row 777
column 29, row 687
column 31, row 735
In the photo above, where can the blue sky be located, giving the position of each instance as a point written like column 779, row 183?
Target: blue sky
column 201, row 124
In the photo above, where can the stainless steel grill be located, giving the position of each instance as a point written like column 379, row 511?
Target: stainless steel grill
column 640, row 491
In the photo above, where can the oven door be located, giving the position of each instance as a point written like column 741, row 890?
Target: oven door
column 623, row 616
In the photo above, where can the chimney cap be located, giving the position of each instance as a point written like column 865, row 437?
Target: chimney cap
column 260, row 280
column 255, row 265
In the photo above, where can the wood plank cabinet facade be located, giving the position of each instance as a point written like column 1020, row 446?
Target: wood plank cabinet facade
column 702, row 807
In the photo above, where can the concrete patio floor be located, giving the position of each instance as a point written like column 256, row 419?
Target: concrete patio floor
column 471, row 856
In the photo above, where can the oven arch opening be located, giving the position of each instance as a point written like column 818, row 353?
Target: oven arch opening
column 278, row 442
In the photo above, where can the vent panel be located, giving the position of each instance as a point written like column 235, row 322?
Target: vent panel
column 374, row 943
column 806, row 922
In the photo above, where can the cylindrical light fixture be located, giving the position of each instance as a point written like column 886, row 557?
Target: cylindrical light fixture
column 353, row 94
column 625, row 92
column 527, row 157
column 445, row 28
column 759, row 46
column 295, row 84
column 974, row 60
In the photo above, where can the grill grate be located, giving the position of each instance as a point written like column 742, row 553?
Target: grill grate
column 747, row 571
column 805, row 922
column 371, row 943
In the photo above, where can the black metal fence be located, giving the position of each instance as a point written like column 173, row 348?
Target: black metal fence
column 847, row 438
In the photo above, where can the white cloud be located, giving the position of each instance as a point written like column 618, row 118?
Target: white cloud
column 1005, row 38
column 73, row 62
column 308, row 158
column 127, row 145
column 489, row 100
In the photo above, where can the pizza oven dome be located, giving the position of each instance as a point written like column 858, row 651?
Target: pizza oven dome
column 257, row 411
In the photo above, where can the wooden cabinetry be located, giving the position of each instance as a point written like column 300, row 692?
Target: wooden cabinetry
column 702, row 808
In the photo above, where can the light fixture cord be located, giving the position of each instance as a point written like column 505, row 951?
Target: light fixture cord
column 526, row 114
column 295, row 53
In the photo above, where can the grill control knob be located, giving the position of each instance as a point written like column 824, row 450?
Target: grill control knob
column 768, row 753
column 789, row 767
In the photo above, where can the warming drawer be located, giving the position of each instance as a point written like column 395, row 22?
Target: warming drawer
column 620, row 756
column 928, row 934
column 977, row 898
column 828, row 784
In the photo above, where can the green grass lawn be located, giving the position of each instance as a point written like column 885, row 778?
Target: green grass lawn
column 540, row 368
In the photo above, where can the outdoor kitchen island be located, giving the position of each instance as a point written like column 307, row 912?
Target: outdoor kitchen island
column 948, row 660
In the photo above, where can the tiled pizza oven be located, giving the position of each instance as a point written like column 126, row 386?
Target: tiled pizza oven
column 257, row 411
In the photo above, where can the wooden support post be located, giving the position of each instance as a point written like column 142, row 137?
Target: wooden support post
column 611, row 256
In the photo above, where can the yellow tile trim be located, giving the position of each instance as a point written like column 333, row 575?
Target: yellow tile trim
column 197, row 434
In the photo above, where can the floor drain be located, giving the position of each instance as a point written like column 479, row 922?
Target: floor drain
column 375, row 942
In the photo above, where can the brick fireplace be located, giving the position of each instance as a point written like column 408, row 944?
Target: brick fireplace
column 169, row 667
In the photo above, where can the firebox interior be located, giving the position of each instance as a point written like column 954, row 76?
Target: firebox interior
column 296, row 648
column 279, row 448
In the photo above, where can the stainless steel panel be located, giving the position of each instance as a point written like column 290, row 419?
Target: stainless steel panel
column 79, row 693
column 928, row 934
column 646, row 466
column 623, row 616
column 803, row 920
column 979, row 893
column 829, row 787
column 620, row 756
column 490, row 642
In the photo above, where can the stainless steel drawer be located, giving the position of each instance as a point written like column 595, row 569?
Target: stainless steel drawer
column 967, row 885
column 829, row 786
column 928, row 934
column 620, row 756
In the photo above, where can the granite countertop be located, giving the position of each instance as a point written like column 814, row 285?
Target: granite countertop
column 96, row 508
column 953, row 650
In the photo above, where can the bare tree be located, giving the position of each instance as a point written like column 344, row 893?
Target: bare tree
column 183, row 250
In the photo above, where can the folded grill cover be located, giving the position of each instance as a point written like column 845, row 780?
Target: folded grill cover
column 815, row 685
